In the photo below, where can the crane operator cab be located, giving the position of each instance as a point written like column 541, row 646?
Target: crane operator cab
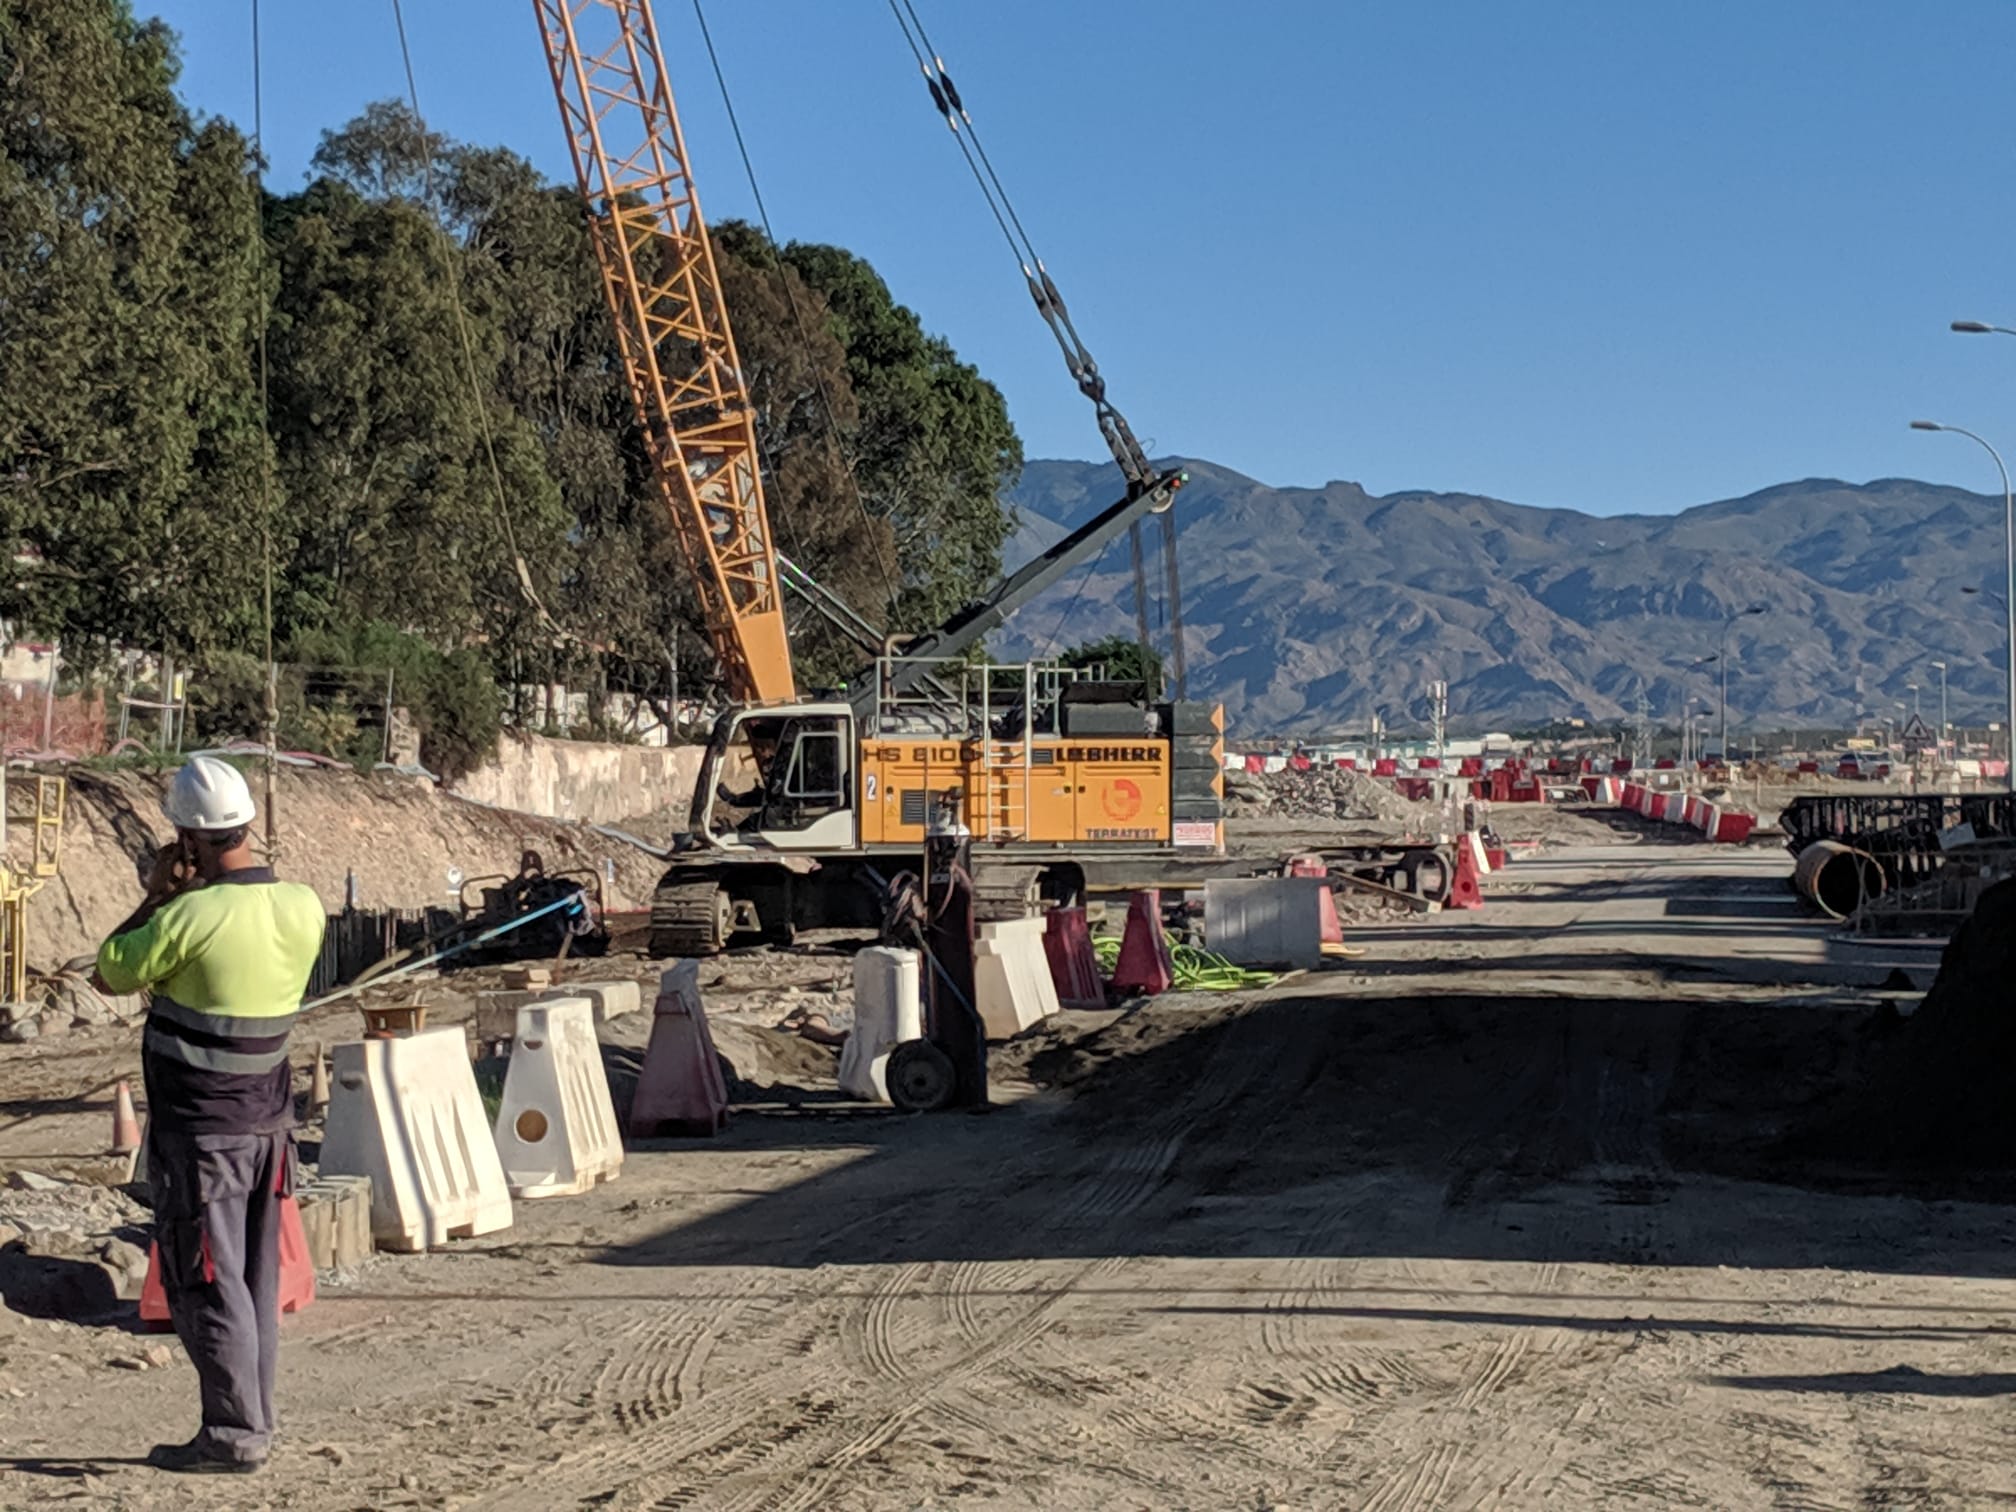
column 778, row 779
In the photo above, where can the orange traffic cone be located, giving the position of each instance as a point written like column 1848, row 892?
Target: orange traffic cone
column 125, row 1125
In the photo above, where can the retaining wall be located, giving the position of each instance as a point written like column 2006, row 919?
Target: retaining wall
column 584, row 779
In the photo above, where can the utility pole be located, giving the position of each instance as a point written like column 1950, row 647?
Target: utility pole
column 1723, row 653
column 167, row 680
column 49, row 699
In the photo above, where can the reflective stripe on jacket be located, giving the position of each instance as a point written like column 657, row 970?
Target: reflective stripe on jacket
column 227, row 964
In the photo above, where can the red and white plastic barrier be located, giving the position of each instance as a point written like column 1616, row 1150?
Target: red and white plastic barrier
column 1724, row 826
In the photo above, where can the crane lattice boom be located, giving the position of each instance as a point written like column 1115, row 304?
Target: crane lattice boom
column 672, row 324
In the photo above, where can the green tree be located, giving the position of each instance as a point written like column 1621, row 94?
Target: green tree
column 933, row 448
column 426, row 501
column 130, row 454
column 1124, row 660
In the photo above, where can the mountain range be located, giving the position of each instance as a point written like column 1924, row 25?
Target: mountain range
column 1308, row 609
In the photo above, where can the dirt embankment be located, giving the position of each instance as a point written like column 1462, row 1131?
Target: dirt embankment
column 1940, row 1097
column 403, row 839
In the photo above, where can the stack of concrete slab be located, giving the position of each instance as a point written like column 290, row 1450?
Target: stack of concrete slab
column 336, row 1220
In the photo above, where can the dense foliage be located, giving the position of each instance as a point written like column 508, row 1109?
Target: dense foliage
column 448, row 459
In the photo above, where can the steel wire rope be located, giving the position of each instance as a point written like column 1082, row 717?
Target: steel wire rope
column 1084, row 578
column 1171, row 606
column 1133, row 459
column 890, row 580
column 468, row 347
column 952, row 97
column 271, row 712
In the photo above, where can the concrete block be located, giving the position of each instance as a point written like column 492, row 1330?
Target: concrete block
column 497, row 1012
column 1265, row 921
column 407, row 1114
column 888, row 1010
column 1011, row 977
column 556, row 1126
column 606, row 1000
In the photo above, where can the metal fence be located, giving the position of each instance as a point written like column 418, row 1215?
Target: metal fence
column 357, row 939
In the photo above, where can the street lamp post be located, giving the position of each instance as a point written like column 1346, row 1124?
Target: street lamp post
column 1942, row 708
column 2008, row 544
column 1723, row 656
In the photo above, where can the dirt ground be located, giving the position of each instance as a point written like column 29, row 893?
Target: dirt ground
column 1502, row 1214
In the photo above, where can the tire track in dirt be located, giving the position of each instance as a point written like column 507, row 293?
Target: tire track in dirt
column 650, row 1393
column 1104, row 1193
column 818, row 1443
column 869, row 1334
column 896, row 1411
column 963, row 1278
column 1592, row 1111
column 1466, row 1450
column 1311, row 1268
column 655, row 1368
column 1150, row 1410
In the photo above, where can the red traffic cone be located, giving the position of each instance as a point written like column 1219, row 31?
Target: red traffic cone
column 297, row 1272
column 1463, row 889
column 125, row 1125
column 1074, row 969
column 1144, row 968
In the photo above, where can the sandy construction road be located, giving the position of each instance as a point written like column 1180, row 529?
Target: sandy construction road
column 1442, row 1230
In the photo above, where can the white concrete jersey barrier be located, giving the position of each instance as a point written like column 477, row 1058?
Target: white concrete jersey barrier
column 888, row 1010
column 556, row 1129
column 1011, row 977
column 1265, row 921
column 406, row 1113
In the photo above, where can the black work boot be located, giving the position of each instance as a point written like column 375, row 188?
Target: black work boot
column 194, row 1458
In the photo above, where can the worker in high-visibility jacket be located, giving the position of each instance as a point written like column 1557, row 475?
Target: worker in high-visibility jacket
column 225, row 949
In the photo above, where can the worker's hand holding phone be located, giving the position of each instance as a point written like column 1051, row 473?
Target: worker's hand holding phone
column 174, row 871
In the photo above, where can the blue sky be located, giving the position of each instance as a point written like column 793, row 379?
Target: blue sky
column 1610, row 256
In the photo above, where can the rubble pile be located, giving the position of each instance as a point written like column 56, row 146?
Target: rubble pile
column 1319, row 793
column 69, row 1249
column 59, row 1004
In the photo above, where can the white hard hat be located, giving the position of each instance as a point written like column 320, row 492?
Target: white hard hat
column 208, row 794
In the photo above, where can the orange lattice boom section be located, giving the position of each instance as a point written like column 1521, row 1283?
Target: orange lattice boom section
column 672, row 325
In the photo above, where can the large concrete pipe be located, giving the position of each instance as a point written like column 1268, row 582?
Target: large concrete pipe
column 1837, row 878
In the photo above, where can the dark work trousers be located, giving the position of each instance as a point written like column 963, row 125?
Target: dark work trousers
column 217, row 1220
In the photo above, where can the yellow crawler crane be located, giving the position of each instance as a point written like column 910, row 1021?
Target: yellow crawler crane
column 805, row 808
